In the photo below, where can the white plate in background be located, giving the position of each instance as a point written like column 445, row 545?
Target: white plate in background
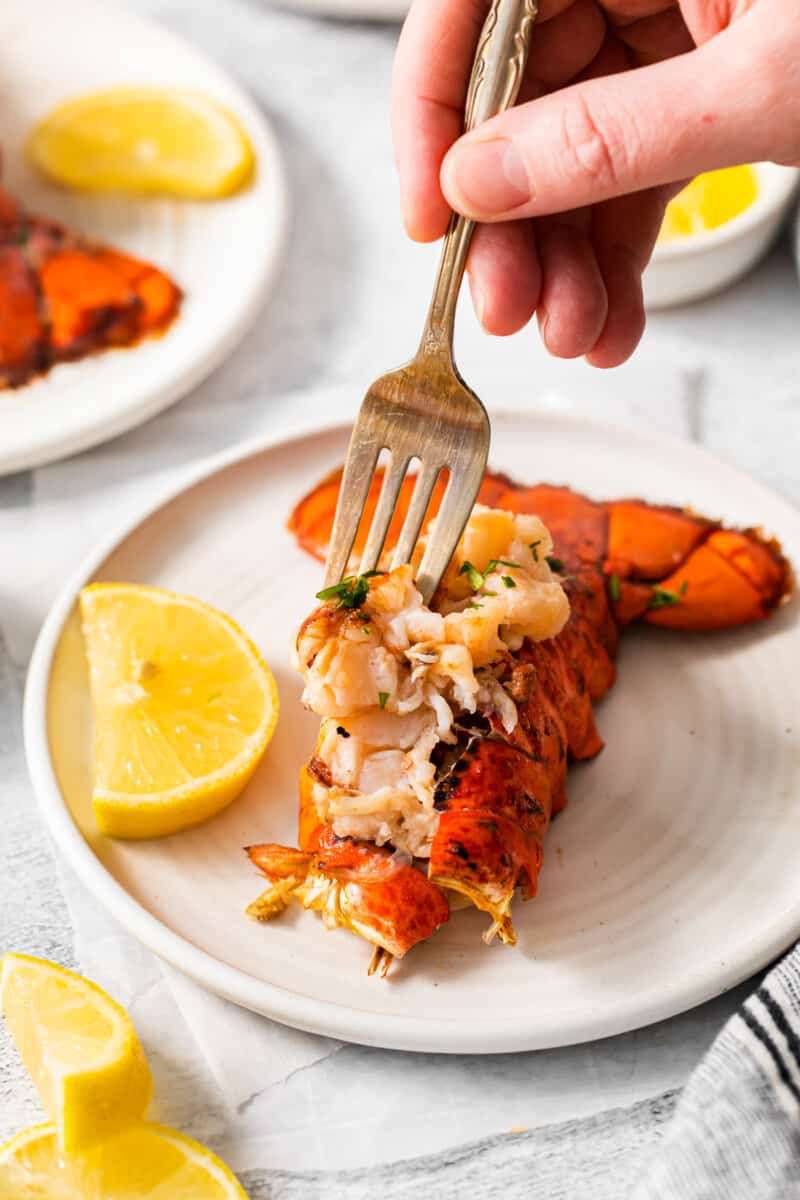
column 223, row 254
column 353, row 10
column 670, row 877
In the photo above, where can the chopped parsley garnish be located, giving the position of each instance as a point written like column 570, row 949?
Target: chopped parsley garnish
column 663, row 598
column 477, row 578
column 342, row 732
column 508, row 581
column 382, row 698
column 555, row 564
column 534, row 549
column 351, row 592
column 614, row 587
column 474, row 604
column 683, row 587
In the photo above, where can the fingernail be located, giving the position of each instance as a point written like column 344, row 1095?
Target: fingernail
column 478, row 301
column 405, row 211
column 543, row 319
column 487, row 178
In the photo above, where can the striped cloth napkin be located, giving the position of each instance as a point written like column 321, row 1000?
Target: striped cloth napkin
column 736, row 1129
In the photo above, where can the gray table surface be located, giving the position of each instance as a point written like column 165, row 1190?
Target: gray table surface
column 348, row 304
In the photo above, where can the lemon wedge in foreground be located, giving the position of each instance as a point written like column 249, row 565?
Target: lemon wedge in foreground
column 709, row 201
column 184, row 708
column 145, row 1161
column 79, row 1047
column 179, row 142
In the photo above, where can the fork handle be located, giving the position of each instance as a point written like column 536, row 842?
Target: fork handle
column 494, row 85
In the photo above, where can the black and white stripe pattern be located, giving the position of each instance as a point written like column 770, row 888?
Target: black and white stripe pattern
column 736, row 1131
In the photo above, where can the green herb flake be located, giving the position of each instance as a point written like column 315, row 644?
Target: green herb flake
column 351, row 592
column 214, row 696
column 663, row 598
column 555, row 564
column 614, row 587
column 508, row 581
column 474, row 604
column 382, row 698
column 474, row 576
column 683, row 588
column 534, row 548
column 494, row 563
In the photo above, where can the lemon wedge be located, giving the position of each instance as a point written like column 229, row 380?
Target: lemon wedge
column 145, row 1161
column 184, row 708
column 79, row 1047
column 177, row 142
column 709, row 201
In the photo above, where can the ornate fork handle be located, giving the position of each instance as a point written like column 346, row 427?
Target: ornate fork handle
column 494, row 85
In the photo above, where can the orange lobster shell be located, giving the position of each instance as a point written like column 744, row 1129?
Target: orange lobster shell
column 63, row 297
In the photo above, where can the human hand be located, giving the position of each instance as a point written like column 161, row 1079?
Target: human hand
column 623, row 100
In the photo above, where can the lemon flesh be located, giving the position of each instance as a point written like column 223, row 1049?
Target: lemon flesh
column 149, row 140
column 184, row 708
column 709, row 201
column 79, row 1047
column 145, row 1161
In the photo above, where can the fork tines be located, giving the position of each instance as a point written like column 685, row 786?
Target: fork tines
column 449, row 432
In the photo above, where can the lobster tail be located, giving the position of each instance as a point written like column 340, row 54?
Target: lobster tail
column 63, row 297
column 498, row 783
column 352, row 884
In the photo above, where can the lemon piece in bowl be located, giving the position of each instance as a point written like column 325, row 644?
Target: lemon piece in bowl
column 184, row 708
column 146, row 1160
column 79, row 1047
column 151, row 140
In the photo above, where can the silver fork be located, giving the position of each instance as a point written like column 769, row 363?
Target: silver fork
column 424, row 411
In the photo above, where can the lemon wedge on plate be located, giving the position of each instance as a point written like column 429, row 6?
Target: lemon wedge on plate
column 145, row 1161
column 79, row 1047
column 184, row 708
column 178, row 142
column 709, row 201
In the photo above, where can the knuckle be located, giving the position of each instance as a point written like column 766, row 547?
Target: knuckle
column 593, row 149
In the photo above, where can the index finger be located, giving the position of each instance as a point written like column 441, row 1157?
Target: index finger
column 429, row 87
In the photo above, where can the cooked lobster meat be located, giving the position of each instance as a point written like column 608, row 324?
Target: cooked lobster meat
column 63, row 297
column 447, row 732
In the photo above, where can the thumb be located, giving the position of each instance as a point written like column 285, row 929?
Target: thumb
column 610, row 136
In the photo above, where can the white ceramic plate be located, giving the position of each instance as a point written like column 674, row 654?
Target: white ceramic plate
column 223, row 254
column 671, row 876
column 353, row 10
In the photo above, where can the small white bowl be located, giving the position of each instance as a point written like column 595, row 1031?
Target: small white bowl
column 687, row 268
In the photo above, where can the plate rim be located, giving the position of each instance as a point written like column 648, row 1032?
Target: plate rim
column 361, row 1026
column 60, row 446
column 387, row 11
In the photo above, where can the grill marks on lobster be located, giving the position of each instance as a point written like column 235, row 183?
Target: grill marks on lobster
column 496, row 790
